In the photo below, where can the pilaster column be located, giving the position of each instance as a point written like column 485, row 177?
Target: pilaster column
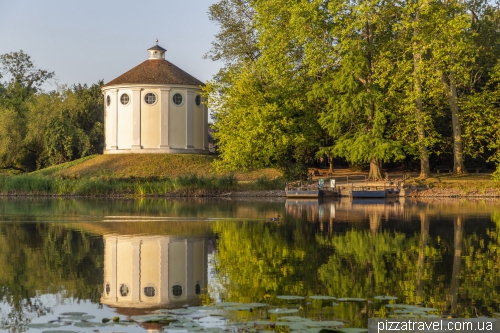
column 136, row 118
column 189, row 119
column 113, row 112
column 189, row 268
column 111, row 268
column 136, row 270
column 205, row 127
column 164, row 114
column 163, row 287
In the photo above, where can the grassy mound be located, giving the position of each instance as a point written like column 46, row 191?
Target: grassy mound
column 137, row 175
column 146, row 166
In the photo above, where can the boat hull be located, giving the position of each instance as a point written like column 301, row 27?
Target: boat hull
column 310, row 193
column 302, row 193
column 387, row 193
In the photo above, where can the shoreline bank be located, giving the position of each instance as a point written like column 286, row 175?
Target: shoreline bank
column 411, row 192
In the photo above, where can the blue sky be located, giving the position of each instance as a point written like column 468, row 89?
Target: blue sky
column 85, row 41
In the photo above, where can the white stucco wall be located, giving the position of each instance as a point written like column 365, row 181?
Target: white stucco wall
column 125, row 120
column 197, row 123
column 150, row 120
column 137, row 126
column 177, row 116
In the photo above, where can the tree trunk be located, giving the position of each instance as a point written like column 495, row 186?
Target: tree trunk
column 374, row 170
column 330, row 160
column 419, row 109
column 458, row 162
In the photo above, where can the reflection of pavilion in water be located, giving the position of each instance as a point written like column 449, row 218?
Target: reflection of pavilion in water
column 154, row 271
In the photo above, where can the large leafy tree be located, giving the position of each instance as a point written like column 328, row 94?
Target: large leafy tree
column 38, row 129
column 262, row 114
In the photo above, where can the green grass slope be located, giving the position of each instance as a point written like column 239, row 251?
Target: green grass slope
column 143, row 166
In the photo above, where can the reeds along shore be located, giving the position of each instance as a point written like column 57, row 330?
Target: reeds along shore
column 190, row 185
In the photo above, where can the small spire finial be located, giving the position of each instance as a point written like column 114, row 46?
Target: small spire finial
column 156, row 41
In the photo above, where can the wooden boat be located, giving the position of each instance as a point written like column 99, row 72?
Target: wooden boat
column 317, row 190
column 302, row 193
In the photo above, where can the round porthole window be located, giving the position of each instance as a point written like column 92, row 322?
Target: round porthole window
column 177, row 290
column 124, row 290
column 124, row 99
column 149, row 291
column 150, row 98
column 108, row 100
column 177, row 98
column 197, row 100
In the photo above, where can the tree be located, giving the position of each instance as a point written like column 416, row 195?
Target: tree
column 453, row 54
column 25, row 78
column 261, row 111
column 237, row 38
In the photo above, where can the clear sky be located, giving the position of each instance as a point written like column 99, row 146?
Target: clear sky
column 84, row 41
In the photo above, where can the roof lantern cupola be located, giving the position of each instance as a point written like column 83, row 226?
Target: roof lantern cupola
column 156, row 52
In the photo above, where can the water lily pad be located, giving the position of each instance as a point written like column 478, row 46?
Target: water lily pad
column 385, row 298
column 261, row 323
column 297, row 327
column 255, row 305
column 293, row 318
column 89, row 324
column 321, row 297
column 351, row 299
column 78, row 317
column 280, row 311
column 153, row 318
column 44, row 325
column 224, row 304
column 402, row 306
column 73, row 313
column 290, row 297
column 325, row 324
column 238, row 308
column 403, row 315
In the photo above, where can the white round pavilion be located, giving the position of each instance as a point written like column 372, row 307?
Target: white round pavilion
column 155, row 107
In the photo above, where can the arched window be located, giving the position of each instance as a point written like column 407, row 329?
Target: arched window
column 197, row 100
column 197, row 289
column 108, row 100
column 108, row 288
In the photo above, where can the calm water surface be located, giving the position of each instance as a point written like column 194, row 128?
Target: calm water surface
column 110, row 258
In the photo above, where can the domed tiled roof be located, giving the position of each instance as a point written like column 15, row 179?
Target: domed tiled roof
column 155, row 71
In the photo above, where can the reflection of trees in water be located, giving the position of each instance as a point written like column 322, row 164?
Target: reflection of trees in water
column 42, row 258
column 452, row 296
column 424, row 237
column 253, row 259
column 40, row 208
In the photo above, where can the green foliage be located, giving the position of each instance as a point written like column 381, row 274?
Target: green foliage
column 368, row 82
column 64, row 141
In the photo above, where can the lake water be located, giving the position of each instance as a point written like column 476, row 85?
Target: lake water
column 64, row 259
